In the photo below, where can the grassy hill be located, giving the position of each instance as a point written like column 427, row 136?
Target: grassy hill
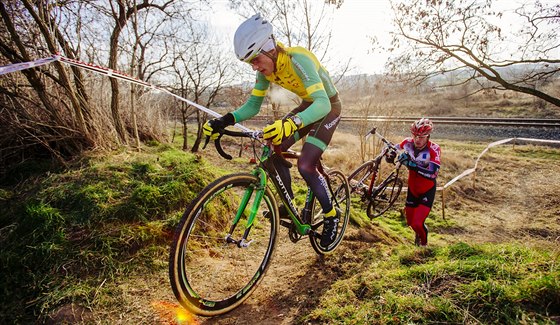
column 89, row 244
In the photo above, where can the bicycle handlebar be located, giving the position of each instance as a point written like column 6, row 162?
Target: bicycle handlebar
column 388, row 143
column 373, row 131
column 240, row 134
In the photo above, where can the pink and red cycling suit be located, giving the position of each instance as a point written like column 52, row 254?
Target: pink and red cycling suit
column 421, row 185
column 423, row 178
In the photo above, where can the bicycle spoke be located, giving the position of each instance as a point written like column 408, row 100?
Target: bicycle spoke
column 385, row 197
column 360, row 179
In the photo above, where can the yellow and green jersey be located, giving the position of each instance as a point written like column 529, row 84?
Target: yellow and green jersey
column 298, row 71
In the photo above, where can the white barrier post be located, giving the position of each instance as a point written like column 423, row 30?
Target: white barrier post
column 443, row 203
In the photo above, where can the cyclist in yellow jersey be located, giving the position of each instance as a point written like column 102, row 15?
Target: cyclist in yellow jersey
column 297, row 70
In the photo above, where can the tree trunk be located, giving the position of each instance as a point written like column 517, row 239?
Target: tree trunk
column 198, row 140
column 133, row 113
column 115, row 110
column 120, row 22
column 184, row 118
column 65, row 79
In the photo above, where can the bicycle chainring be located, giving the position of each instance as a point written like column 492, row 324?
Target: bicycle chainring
column 293, row 234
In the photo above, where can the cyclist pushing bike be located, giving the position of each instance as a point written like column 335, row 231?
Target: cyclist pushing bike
column 422, row 158
column 297, row 70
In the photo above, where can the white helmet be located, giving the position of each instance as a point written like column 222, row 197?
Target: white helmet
column 250, row 37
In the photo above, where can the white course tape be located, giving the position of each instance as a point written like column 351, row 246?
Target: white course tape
column 25, row 65
column 107, row 72
column 490, row 145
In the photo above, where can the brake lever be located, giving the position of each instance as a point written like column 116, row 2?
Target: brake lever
column 206, row 142
column 219, row 148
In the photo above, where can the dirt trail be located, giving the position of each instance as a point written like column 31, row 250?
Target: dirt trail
column 513, row 199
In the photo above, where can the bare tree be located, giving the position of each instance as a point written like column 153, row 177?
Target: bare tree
column 182, row 89
column 49, row 108
column 473, row 40
column 54, row 113
column 147, row 33
column 202, row 69
column 122, row 11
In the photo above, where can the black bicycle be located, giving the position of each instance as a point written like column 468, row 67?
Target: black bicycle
column 378, row 193
column 224, row 242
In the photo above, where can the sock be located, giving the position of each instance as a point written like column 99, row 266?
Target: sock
column 331, row 213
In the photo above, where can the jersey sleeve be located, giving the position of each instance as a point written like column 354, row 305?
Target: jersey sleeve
column 407, row 145
column 253, row 104
column 308, row 71
column 435, row 153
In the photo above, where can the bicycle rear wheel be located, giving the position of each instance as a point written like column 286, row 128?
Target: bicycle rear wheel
column 360, row 179
column 387, row 194
column 209, row 275
column 341, row 200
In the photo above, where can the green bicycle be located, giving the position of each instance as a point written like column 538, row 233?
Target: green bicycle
column 225, row 240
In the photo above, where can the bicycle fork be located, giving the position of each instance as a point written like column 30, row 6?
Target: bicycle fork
column 259, row 189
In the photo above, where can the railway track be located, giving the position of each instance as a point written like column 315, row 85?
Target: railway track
column 459, row 128
column 451, row 120
column 489, row 121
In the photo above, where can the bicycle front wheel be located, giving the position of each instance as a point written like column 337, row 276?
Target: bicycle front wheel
column 209, row 274
column 340, row 197
column 386, row 196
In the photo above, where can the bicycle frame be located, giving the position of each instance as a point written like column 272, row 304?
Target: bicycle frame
column 372, row 192
column 265, row 171
column 234, row 221
column 394, row 173
column 375, row 172
column 378, row 192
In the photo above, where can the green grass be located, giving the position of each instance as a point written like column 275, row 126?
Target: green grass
column 503, row 284
column 533, row 151
column 63, row 232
